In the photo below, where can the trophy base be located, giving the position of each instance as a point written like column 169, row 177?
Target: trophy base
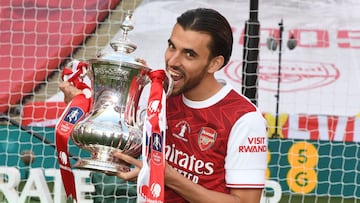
column 108, row 168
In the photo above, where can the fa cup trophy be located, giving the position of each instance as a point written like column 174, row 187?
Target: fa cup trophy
column 114, row 122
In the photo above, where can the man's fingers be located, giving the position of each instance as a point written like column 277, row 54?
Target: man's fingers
column 129, row 176
column 134, row 172
column 63, row 85
column 69, row 91
column 128, row 159
column 140, row 60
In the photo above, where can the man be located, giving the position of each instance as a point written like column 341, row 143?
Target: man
column 216, row 143
column 210, row 127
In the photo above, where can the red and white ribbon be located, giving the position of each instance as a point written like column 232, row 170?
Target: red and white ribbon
column 150, row 184
column 75, row 111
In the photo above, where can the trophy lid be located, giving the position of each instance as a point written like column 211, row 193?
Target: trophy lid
column 121, row 48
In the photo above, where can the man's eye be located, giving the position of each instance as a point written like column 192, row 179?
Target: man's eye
column 190, row 54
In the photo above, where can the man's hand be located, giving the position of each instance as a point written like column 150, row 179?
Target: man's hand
column 69, row 91
column 134, row 172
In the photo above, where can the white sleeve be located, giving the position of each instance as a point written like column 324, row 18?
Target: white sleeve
column 245, row 162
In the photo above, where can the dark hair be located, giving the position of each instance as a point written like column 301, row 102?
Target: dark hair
column 213, row 23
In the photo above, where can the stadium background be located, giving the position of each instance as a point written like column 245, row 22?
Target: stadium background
column 316, row 159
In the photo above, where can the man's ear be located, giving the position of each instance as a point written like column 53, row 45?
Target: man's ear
column 216, row 64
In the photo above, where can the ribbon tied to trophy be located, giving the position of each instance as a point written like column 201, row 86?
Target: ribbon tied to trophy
column 150, row 182
column 75, row 111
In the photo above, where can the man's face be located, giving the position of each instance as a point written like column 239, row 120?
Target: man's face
column 187, row 58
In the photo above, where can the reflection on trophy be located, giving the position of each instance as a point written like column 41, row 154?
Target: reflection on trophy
column 115, row 121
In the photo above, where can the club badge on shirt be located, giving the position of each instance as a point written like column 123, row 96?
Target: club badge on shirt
column 207, row 137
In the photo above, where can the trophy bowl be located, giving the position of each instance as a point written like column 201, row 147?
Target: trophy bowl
column 112, row 123
column 115, row 121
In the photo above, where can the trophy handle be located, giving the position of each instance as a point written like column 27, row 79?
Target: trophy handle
column 169, row 82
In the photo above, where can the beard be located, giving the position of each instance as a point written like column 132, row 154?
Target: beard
column 189, row 82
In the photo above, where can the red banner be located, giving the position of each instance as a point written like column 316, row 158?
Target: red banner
column 74, row 113
column 37, row 36
column 76, row 110
column 151, row 178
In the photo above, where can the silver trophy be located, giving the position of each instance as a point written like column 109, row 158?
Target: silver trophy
column 115, row 122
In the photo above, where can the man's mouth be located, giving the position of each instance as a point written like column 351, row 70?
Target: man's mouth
column 175, row 75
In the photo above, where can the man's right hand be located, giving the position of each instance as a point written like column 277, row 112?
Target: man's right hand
column 69, row 91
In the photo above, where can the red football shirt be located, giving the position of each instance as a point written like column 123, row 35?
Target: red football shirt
column 219, row 143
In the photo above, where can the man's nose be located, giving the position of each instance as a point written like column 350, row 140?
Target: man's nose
column 174, row 59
